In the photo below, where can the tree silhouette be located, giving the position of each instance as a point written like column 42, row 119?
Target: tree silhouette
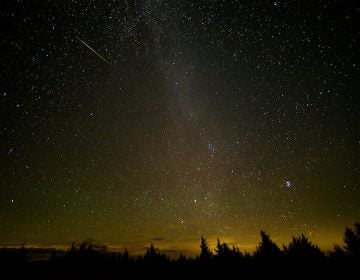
column 300, row 259
column 223, row 250
column 267, row 248
column 153, row 254
column 182, row 259
column 205, row 252
column 338, row 253
column 301, row 247
column 125, row 255
column 352, row 240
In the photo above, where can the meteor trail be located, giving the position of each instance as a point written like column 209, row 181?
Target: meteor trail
column 95, row 52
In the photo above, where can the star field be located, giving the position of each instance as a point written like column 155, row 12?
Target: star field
column 133, row 122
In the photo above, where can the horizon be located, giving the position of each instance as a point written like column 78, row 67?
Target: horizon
column 191, row 249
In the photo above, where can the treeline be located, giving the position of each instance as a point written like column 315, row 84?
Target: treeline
column 300, row 259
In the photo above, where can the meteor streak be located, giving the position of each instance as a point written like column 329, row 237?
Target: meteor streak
column 95, row 52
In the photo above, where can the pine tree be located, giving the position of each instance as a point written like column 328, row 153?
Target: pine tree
column 352, row 240
column 301, row 247
column 267, row 248
column 205, row 252
column 223, row 250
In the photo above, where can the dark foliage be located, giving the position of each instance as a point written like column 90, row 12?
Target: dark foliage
column 224, row 251
column 267, row 249
column 154, row 255
column 352, row 241
column 301, row 247
column 300, row 259
column 205, row 252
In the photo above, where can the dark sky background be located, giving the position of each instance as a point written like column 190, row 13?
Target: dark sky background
column 214, row 118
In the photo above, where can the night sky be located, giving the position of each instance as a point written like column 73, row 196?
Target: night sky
column 138, row 122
